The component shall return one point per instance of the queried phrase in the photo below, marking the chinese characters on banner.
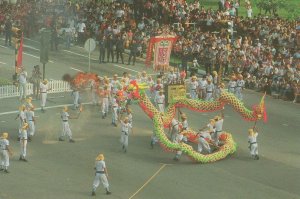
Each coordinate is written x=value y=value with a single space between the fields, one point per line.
x=161 y=47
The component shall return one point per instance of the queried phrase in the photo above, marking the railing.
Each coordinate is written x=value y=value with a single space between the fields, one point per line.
x=57 y=86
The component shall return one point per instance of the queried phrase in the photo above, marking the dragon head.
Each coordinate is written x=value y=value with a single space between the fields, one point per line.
x=259 y=111
x=135 y=90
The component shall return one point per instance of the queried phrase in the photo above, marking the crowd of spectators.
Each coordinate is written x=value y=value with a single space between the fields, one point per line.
x=264 y=49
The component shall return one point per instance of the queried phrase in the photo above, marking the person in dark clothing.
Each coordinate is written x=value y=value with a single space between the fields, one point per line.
x=102 y=46
x=7 y=30
x=110 y=48
x=54 y=38
x=120 y=48
x=133 y=52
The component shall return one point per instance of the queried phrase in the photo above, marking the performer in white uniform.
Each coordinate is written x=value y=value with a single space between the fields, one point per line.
x=203 y=143
x=232 y=85
x=160 y=101
x=253 y=146
x=65 y=125
x=22 y=119
x=31 y=123
x=194 y=87
x=76 y=97
x=178 y=140
x=43 y=90
x=174 y=129
x=23 y=142
x=209 y=90
x=101 y=175
x=240 y=83
x=219 y=126
x=5 y=152
x=105 y=101
x=115 y=112
x=202 y=87
x=125 y=129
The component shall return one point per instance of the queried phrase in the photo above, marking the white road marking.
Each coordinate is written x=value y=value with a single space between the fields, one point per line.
x=79 y=54
x=31 y=40
x=30 y=47
x=49 y=107
x=76 y=69
x=3 y=63
x=285 y=124
x=3 y=46
x=35 y=56
x=127 y=68
x=3 y=121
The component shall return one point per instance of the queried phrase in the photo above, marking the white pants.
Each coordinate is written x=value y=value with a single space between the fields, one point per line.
x=161 y=108
x=238 y=93
x=115 y=115
x=100 y=177
x=174 y=133
x=31 y=129
x=231 y=90
x=23 y=147
x=203 y=144
x=193 y=94
x=124 y=140
x=43 y=99
x=4 y=159
x=20 y=127
x=66 y=130
x=76 y=98
x=105 y=105
x=215 y=137
x=208 y=97
x=254 y=149
x=23 y=91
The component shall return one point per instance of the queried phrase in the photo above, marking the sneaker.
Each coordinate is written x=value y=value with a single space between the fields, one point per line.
x=93 y=193
x=108 y=192
x=25 y=160
x=256 y=157
x=103 y=117
x=71 y=140
x=175 y=159
x=6 y=171
x=60 y=139
x=115 y=125
x=21 y=158
x=1 y=169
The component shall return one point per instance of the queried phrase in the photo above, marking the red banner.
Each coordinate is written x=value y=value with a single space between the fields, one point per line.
x=20 y=55
x=162 y=46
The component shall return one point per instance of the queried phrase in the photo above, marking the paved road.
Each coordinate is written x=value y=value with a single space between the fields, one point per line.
x=64 y=170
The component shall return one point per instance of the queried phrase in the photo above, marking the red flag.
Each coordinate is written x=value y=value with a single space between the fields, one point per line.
x=20 y=54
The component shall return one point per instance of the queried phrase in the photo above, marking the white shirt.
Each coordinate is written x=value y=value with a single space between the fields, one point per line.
x=30 y=115
x=210 y=87
x=100 y=165
x=160 y=99
x=232 y=84
x=240 y=83
x=202 y=84
x=3 y=144
x=43 y=88
x=23 y=77
x=125 y=127
x=252 y=139
x=81 y=27
x=219 y=125
x=65 y=116
x=22 y=116
x=194 y=85
x=203 y=135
